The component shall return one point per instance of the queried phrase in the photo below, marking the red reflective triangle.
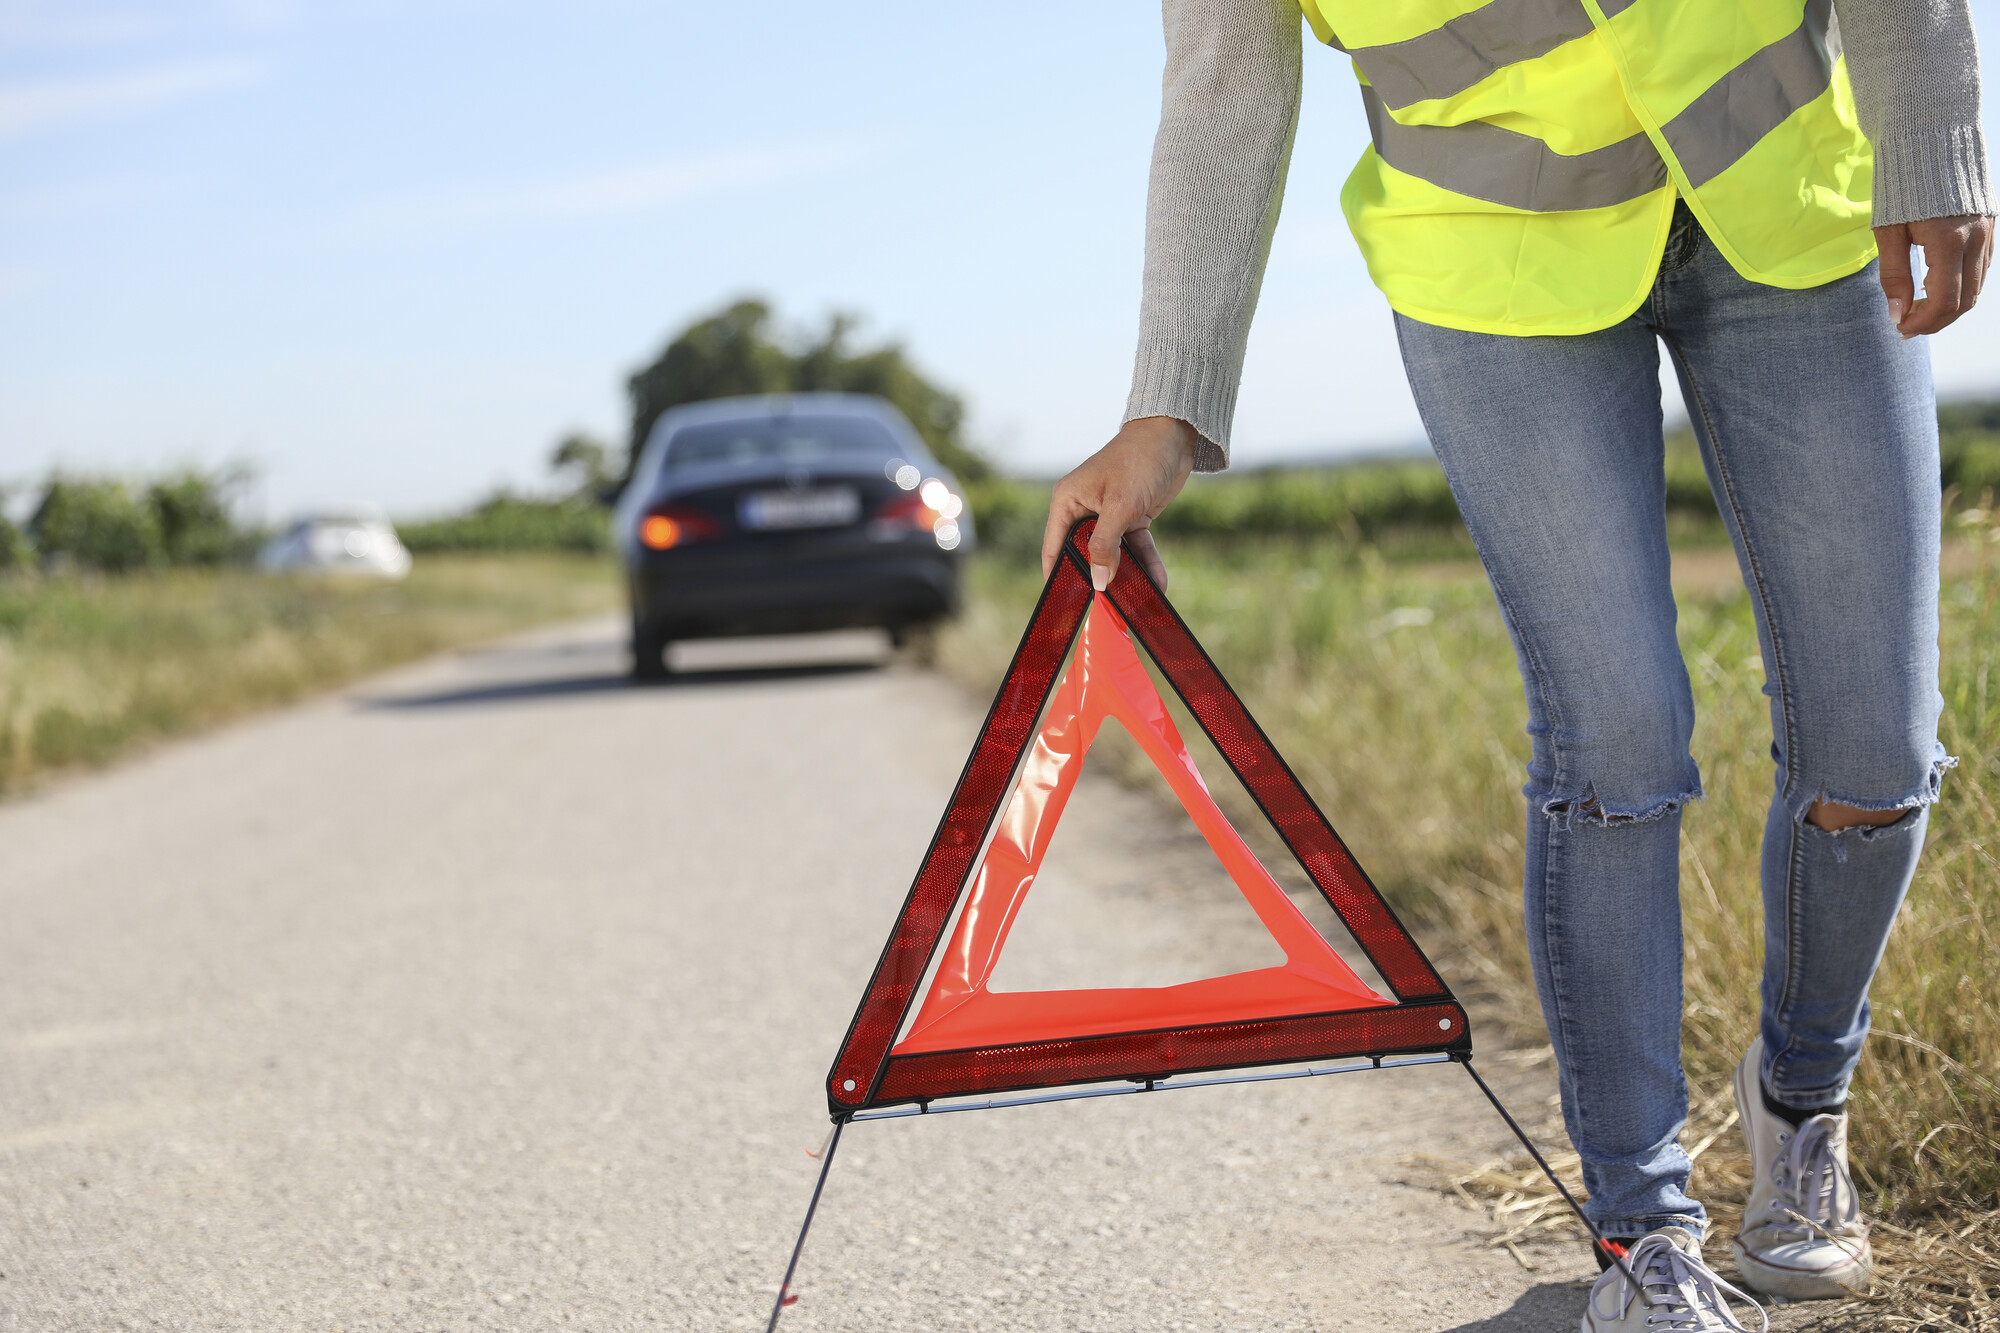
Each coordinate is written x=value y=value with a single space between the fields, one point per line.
x=967 y=1039
x=1105 y=679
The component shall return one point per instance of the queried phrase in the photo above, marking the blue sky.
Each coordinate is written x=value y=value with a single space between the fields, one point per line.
x=391 y=251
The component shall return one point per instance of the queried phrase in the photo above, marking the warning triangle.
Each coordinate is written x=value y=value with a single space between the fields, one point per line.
x=967 y=1039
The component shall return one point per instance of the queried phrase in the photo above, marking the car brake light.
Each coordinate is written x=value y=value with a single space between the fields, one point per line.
x=909 y=508
x=676 y=525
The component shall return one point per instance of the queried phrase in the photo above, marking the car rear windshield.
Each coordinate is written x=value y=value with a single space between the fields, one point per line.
x=781 y=440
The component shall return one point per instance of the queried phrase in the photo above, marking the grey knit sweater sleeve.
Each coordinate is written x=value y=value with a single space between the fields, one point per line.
x=1230 y=106
x=1915 y=70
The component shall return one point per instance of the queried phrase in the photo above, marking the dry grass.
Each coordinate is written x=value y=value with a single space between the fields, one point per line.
x=1939 y=1273
x=91 y=666
x=1392 y=689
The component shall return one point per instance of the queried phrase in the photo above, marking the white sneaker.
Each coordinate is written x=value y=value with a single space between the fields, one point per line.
x=1803 y=1236
x=1677 y=1292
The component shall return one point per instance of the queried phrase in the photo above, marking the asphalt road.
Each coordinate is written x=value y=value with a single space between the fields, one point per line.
x=498 y=994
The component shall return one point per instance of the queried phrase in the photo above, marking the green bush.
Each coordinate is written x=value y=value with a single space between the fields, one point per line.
x=1969 y=444
x=1687 y=479
x=1008 y=515
x=1969 y=417
x=95 y=522
x=1364 y=501
x=1357 y=501
x=15 y=552
x=110 y=524
x=191 y=511
x=515 y=523
x=1360 y=502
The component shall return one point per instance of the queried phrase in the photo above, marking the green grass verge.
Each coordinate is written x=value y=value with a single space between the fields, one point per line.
x=1391 y=688
x=91 y=666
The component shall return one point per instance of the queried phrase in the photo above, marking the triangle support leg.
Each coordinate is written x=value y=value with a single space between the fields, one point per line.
x=825 y=1166
x=1543 y=1162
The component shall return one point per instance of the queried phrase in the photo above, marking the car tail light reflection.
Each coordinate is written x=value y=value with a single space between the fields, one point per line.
x=933 y=509
x=937 y=496
x=676 y=525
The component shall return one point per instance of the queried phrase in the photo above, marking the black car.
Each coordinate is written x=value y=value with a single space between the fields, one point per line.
x=783 y=514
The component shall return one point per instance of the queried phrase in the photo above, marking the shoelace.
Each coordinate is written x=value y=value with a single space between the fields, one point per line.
x=1681 y=1294
x=1816 y=1192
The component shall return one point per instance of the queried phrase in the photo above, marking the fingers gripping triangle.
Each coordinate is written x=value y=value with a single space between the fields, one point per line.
x=966 y=1039
x=1106 y=679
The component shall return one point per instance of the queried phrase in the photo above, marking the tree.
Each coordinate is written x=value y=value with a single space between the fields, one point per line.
x=585 y=464
x=734 y=352
x=938 y=415
x=718 y=357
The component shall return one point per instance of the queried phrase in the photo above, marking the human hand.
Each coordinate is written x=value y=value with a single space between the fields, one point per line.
x=1956 y=253
x=1126 y=484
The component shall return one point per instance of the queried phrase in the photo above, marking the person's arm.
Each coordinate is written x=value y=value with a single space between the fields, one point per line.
x=1915 y=69
x=1229 y=107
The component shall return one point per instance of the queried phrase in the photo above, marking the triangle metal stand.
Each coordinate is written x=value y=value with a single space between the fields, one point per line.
x=840 y=1123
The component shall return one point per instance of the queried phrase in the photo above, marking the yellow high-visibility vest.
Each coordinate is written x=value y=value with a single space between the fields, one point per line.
x=1527 y=154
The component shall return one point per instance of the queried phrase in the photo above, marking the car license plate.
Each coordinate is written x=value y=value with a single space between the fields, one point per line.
x=828 y=507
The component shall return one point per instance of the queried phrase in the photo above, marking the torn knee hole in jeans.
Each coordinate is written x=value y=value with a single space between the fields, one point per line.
x=1586 y=805
x=1841 y=839
x=1908 y=808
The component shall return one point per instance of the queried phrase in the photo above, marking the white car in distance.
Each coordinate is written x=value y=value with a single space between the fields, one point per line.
x=356 y=540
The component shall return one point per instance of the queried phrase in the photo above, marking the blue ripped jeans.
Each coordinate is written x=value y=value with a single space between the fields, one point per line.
x=1818 y=430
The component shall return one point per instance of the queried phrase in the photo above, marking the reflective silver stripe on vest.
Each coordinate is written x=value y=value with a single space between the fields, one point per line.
x=1755 y=98
x=1512 y=169
x=1451 y=58
x=1501 y=166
